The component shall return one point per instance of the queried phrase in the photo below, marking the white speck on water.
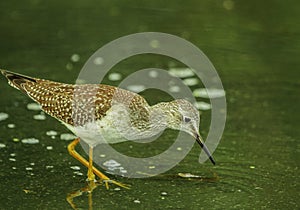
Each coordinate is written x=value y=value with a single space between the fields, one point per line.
x=30 y=141
x=33 y=107
x=191 y=81
x=174 y=89
x=78 y=173
x=137 y=201
x=111 y=163
x=181 y=72
x=12 y=154
x=153 y=74
x=32 y=164
x=77 y=168
x=102 y=155
x=2 y=145
x=252 y=167
x=11 y=125
x=151 y=167
x=117 y=189
x=3 y=116
x=16 y=140
x=114 y=76
x=12 y=159
x=69 y=66
x=136 y=88
x=154 y=43
x=14 y=168
x=29 y=169
x=75 y=58
x=98 y=61
x=209 y=93
x=40 y=116
x=67 y=136
x=49 y=148
x=123 y=171
x=164 y=193
x=202 y=105
x=179 y=148
x=51 y=133
x=49 y=167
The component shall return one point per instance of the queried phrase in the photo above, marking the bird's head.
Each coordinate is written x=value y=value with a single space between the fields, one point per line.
x=181 y=115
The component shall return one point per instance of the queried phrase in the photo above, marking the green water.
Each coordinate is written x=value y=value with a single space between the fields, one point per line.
x=254 y=46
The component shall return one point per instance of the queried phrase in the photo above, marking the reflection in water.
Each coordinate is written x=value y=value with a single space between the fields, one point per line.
x=91 y=185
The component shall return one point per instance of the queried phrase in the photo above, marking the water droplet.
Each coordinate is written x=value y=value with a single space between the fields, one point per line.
x=209 y=93
x=98 y=61
x=136 y=88
x=49 y=148
x=3 y=116
x=153 y=74
x=67 y=136
x=137 y=201
x=11 y=125
x=75 y=58
x=51 y=133
x=77 y=168
x=39 y=117
x=202 y=105
x=30 y=141
x=181 y=72
x=114 y=76
x=2 y=145
x=111 y=163
x=191 y=81
x=33 y=106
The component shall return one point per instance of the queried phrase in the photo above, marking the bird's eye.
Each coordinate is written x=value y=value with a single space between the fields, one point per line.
x=186 y=119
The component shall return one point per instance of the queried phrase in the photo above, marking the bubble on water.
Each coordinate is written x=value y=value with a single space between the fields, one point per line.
x=114 y=76
x=154 y=43
x=12 y=159
x=191 y=81
x=11 y=125
x=67 y=136
x=75 y=58
x=3 y=116
x=98 y=61
x=174 y=89
x=153 y=74
x=51 y=133
x=202 y=105
x=209 y=93
x=49 y=167
x=49 y=148
x=30 y=141
x=111 y=163
x=34 y=107
x=39 y=116
x=28 y=169
x=78 y=173
x=2 y=145
x=76 y=168
x=136 y=88
x=137 y=201
x=12 y=154
x=69 y=66
x=181 y=72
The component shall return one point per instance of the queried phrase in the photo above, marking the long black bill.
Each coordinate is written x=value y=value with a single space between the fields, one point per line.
x=202 y=145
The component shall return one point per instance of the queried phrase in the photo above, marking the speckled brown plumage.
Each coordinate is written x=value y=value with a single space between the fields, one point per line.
x=78 y=104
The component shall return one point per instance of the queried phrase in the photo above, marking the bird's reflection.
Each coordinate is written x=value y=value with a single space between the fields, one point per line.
x=89 y=188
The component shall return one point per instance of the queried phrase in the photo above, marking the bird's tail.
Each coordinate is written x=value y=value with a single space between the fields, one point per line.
x=17 y=80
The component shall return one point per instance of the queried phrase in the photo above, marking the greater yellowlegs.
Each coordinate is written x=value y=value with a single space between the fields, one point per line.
x=98 y=113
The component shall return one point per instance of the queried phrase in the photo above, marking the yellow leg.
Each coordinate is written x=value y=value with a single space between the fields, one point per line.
x=89 y=164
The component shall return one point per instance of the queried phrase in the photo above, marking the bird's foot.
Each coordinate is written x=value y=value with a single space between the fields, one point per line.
x=109 y=181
